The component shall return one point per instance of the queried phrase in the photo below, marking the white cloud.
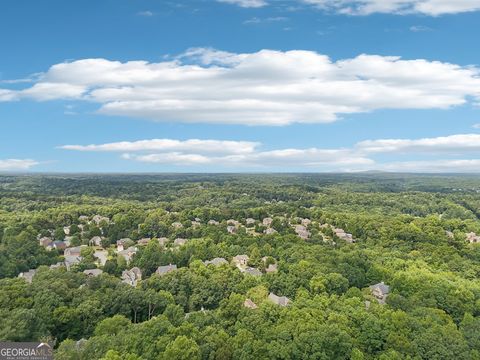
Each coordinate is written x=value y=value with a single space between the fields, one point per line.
x=146 y=13
x=419 y=28
x=17 y=164
x=434 y=166
x=257 y=20
x=263 y=88
x=169 y=145
x=7 y=95
x=452 y=144
x=246 y=3
x=245 y=155
x=43 y=91
x=476 y=126
x=312 y=158
x=401 y=7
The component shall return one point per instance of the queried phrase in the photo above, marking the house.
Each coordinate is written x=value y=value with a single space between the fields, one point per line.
x=302 y=231
x=162 y=270
x=162 y=241
x=231 y=229
x=252 y=271
x=68 y=240
x=102 y=256
x=74 y=251
x=278 y=300
x=143 y=242
x=340 y=233
x=196 y=223
x=132 y=276
x=83 y=218
x=122 y=243
x=380 y=291
x=28 y=275
x=213 y=222
x=59 y=245
x=473 y=238
x=177 y=225
x=66 y=230
x=95 y=241
x=93 y=272
x=249 y=304
x=79 y=344
x=250 y=221
x=267 y=221
x=97 y=219
x=128 y=253
x=45 y=241
x=305 y=222
x=71 y=260
x=270 y=231
x=56 y=266
x=240 y=261
x=233 y=222
x=217 y=262
x=179 y=242
x=272 y=266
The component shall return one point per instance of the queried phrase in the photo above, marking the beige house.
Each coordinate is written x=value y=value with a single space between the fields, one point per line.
x=132 y=276
x=279 y=300
x=249 y=304
x=240 y=261
x=380 y=291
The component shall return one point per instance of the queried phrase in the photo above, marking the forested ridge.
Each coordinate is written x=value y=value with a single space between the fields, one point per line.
x=307 y=266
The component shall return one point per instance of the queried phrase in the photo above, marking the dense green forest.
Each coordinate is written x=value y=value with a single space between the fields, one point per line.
x=308 y=266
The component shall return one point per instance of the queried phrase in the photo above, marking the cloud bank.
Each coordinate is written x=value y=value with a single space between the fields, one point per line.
x=245 y=155
x=453 y=144
x=263 y=88
x=17 y=164
x=368 y=7
x=400 y=7
x=191 y=145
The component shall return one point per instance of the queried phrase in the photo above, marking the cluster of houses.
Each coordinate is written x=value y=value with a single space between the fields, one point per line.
x=241 y=262
x=234 y=225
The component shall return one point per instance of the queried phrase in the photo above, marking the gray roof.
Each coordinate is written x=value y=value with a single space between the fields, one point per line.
x=162 y=270
x=384 y=289
x=217 y=261
x=58 y=243
x=28 y=275
x=132 y=276
x=92 y=272
x=123 y=241
x=75 y=250
x=180 y=241
x=279 y=300
x=71 y=260
x=253 y=271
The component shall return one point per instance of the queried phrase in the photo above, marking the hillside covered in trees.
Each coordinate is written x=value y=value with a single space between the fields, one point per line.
x=364 y=266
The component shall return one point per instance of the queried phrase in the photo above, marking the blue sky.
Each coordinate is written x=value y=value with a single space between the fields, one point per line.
x=252 y=85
